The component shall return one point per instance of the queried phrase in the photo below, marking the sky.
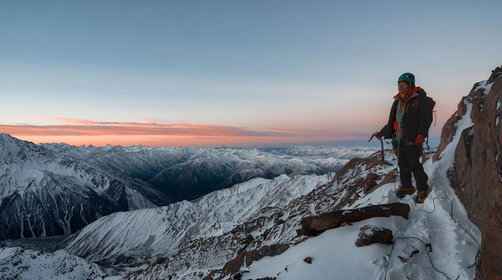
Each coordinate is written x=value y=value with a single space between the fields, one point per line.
x=182 y=73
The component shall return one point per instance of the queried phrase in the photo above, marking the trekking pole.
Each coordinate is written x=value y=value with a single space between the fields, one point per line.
x=382 y=151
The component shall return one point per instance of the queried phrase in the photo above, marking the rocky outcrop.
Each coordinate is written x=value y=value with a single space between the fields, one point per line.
x=477 y=173
x=315 y=225
x=248 y=257
x=370 y=234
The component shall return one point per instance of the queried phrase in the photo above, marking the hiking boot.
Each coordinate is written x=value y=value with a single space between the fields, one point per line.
x=421 y=196
x=404 y=191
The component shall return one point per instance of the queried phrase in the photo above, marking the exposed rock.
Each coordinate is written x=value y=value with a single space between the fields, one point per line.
x=477 y=169
x=370 y=182
x=405 y=259
x=389 y=177
x=369 y=234
x=308 y=260
x=315 y=225
x=248 y=257
x=370 y=162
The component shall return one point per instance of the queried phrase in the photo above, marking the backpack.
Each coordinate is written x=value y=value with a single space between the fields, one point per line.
x=428 y=106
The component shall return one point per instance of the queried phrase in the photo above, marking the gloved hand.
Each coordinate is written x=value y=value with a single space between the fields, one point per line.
x=377 y=134
x=419 y=141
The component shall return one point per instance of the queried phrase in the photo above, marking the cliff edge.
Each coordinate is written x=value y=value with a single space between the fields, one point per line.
x=476 y=175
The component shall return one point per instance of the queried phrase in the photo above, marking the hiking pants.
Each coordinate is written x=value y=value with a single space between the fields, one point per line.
x=409 y=163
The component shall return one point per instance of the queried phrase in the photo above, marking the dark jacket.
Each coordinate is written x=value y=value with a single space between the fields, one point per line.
x=414 y=119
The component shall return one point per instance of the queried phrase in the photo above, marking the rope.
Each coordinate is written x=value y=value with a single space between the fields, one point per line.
x=428 y=245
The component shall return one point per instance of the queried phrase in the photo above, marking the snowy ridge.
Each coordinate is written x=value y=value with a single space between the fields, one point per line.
x=56 y=189
x=162 y=230
x=17 y=263
x=188 y=173
x=43 y=193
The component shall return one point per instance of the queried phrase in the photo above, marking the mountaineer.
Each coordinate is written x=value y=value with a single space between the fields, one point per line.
x=408 y=125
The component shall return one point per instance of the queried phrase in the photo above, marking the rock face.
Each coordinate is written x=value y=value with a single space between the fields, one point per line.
x=476 y=176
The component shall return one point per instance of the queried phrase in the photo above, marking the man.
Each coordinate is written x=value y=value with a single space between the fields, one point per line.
x=408 y=127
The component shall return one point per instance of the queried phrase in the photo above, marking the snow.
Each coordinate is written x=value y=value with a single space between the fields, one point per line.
x=333 y=253
x=17 y=263
x=162 y=230
x=485 y=86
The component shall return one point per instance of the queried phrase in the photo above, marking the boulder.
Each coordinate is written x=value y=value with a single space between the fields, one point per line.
x=315 y=225
x=370 y=234
x=248 y=257
x=370 y=182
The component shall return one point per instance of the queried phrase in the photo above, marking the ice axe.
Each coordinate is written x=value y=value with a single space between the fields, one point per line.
x=382 y=151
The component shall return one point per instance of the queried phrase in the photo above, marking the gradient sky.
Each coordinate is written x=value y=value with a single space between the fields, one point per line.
x=232 y=72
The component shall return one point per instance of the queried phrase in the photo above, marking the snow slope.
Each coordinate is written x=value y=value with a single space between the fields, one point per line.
x=43 y=193
x=333 y=253
x=163 y=230
x=17 y=263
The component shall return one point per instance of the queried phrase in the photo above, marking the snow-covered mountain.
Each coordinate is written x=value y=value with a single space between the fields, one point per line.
x=18 y=263
x=188 y=173
x=43 y=193
x=163 y=230
x=56 y=189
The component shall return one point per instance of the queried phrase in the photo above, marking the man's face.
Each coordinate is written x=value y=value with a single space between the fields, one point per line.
x=403 y=87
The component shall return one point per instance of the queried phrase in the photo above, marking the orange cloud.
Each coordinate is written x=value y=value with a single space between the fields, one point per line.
x=85 y=132
x=99 y=133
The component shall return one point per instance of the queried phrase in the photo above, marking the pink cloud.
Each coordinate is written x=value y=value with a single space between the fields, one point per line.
x=91 y=132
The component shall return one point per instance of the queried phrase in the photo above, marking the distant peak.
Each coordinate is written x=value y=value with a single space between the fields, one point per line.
x=7 y=137
x=13 y=148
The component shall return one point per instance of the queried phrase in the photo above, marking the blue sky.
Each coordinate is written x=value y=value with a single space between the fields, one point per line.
x=317 y=69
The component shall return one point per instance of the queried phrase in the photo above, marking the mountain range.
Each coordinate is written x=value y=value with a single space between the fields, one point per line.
x=56 y=189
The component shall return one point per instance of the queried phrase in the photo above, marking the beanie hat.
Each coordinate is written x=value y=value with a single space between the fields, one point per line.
x=408 y=78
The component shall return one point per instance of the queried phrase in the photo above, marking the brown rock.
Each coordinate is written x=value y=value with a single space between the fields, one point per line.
x=371 y=234
x=389 y=177
x=308 y=260
x=248 y=257
x=370 y=182
x=449 y=129
x=477 y=172
x=369 y=162
x=315 y=225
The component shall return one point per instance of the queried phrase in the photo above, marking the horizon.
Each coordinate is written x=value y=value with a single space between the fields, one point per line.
x=232 y=74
